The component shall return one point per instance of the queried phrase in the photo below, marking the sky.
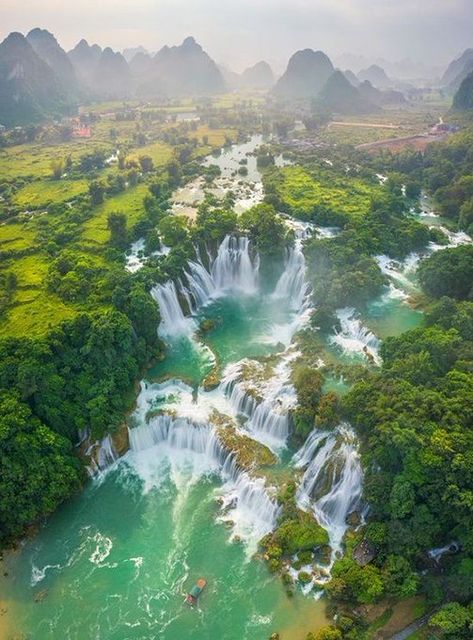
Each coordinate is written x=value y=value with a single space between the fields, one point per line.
x=241 y=32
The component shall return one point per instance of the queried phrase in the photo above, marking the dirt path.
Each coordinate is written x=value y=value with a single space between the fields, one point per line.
x=411 y=628
x=369 y=125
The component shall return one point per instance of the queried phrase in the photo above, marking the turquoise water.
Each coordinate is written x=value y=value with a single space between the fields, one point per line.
x=116 y=562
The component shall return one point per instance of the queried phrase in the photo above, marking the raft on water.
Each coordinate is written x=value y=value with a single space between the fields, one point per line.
x=195 y=592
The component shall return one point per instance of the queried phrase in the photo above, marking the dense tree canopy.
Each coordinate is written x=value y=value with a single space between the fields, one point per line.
x=38 y=467
x=449 y=273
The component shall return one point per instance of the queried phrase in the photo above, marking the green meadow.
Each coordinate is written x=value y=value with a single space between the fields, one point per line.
x=302 y=192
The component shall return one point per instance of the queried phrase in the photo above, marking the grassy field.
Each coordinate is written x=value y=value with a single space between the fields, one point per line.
x=158 y=151
x=33 y=309
x=16 y=237
x=40 y=193
x=302 y=192
x=403 y=122
x=34 y=160
x=35 y=314
x=29 y=270
x=95 y=231
x=216 y=137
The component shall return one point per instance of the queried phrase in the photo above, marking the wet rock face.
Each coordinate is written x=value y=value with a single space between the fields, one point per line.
x=364 y=552
x=353 y=519
x=120 y=440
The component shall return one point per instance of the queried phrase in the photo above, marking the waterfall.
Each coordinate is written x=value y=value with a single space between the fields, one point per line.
x=173 y=321
x=266 y=404
x=102 y=455
x=332 y=483
x=292 y=286
x=172 y=425
x=438 y=552
x=354 y=337
x=399 y=272
x=455 y=238
x=231 y=271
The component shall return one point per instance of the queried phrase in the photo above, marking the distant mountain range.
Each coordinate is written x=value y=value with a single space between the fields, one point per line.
x=376 y=75
x=182 y=70
x=260 y=76
x=311 y=75
x=38 y=79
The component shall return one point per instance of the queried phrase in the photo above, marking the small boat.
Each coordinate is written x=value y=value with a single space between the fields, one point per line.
x=195 y=592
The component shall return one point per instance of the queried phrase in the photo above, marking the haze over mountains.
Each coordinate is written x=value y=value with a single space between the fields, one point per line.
x=39 y=79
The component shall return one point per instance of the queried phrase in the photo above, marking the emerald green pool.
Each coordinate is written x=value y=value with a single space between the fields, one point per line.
x=116 y=562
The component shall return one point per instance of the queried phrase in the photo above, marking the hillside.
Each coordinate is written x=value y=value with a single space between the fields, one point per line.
x=376 y=75
x=259 y=76
x=463 y=99
x=48 y=49
x=29 y=88
x=339 y=96
x=181 y=70
x=307 y=72
x=458 y=69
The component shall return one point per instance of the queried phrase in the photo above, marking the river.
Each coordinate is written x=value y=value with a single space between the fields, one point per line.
x=116 y=562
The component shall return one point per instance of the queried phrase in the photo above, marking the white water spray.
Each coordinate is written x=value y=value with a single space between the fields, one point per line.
x=332 y=483
x=354 y=338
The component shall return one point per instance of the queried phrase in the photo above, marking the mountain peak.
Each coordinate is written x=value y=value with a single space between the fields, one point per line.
x=340 y=96
x=185 y=69
x=259 y=76
x=306 y=73
x=37 y=32
x=190 y=44
x=15 y=38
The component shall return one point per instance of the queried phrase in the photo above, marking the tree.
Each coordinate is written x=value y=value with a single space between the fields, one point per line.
x=352 y=582
x=173 y=168
x=466 y=216
x=266 y=229
x=448 y=273
x=96 y=192
x=453 y=620
x=39 y=469
x=57 y=168
x=308 y=383
x=174 y=230
x=215 y=224
x=116 y=223
x=146 y=163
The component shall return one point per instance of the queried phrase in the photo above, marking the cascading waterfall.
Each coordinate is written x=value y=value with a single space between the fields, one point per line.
x=292 y=286
x=102 y=456
x=232 y=271
x=354 y=337
x=266 y=406
x=173 y=321
x=332 y=483
x=400 y=272
x=186 y=438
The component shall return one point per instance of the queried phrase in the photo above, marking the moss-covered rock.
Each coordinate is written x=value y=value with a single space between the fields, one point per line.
x=249 y=453
x=212 y=379
x=300 y=535
x=121 y=440
x=303 y=577
x=207 y=325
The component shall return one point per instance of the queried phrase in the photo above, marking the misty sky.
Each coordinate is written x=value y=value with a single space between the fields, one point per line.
x=241 y=32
